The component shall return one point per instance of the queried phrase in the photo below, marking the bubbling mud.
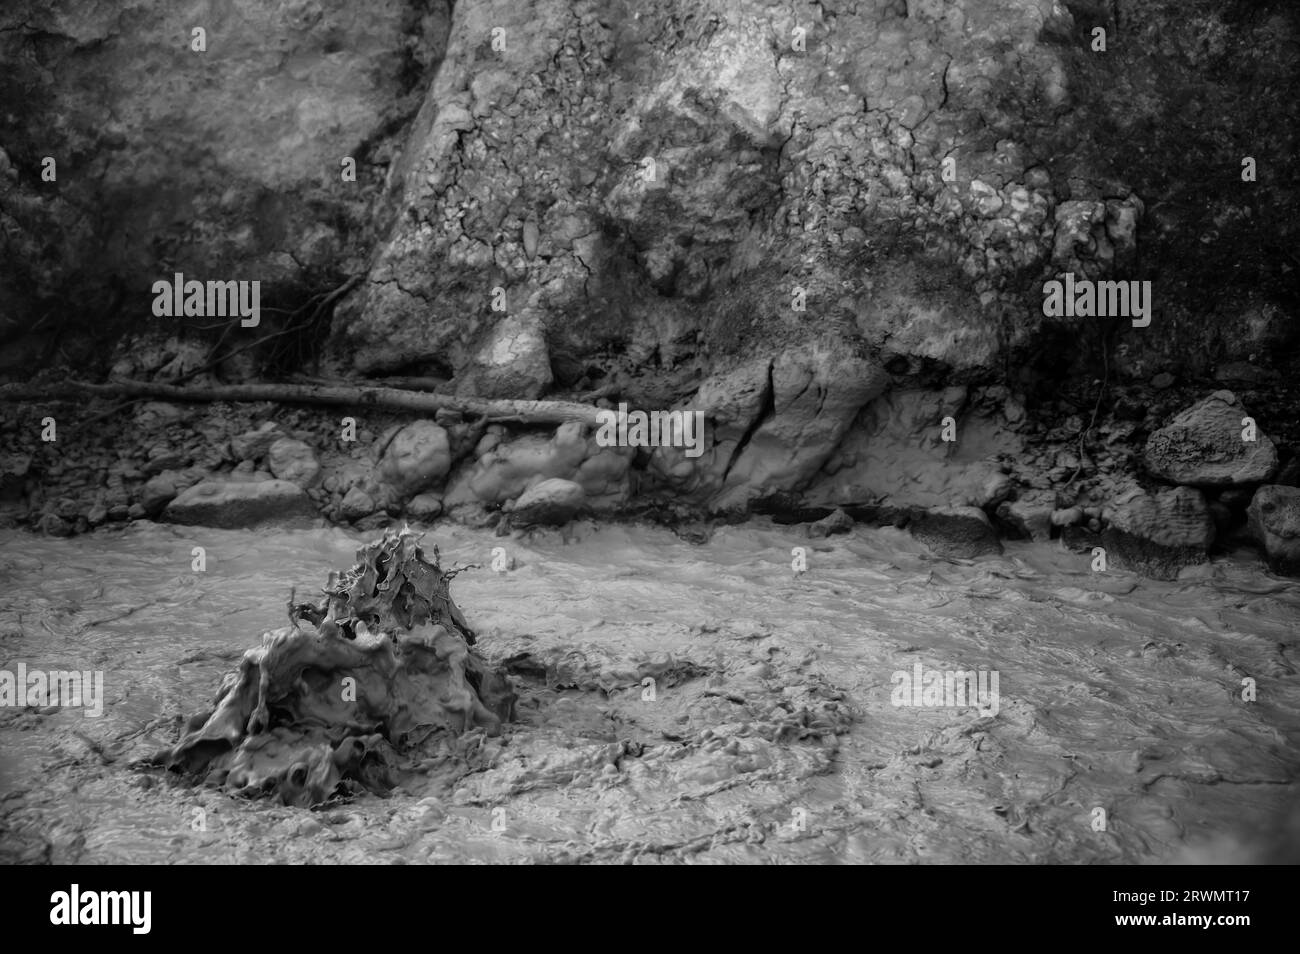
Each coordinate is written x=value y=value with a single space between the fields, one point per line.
x=356 y=693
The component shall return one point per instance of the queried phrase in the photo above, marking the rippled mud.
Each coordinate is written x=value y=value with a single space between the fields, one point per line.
x=686 y=703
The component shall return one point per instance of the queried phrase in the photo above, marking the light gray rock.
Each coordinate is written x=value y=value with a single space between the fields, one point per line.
x=424 y=506
x=157 y=493
x=512 y=466
x=513 y=363
x=1274 y=521
x=416 y=459
x=1203 y=446
x=816 y=392
x=294 y=461
x=836 y=522
x=549 y=503
x=241 y=504
x=357 y=504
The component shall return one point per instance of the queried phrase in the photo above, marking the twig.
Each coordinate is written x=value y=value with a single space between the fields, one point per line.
x=1105 y=381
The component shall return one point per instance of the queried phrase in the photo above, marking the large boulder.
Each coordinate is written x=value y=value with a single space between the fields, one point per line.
x=238 y=504
x=817 y=391
x=1274 y=520
x=963 y=533
x=1203 y=446
x=1159 y=534
x=416 y=459
x=895 y=453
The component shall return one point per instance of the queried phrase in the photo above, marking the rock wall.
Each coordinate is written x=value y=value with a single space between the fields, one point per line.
x=224 y=163
x=689 y=180
x=825 y=227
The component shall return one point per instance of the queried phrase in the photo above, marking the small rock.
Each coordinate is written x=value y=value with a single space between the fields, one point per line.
x=416 y=459
x=119 y=513
x=962 y=533
x=1274 y=521
x=836 y=522
x=356 y=504
x=55 y=526
x=1067 y=517
x=157 y=493
x=1162 y=381
x=547 y=503
x=294 y=461
x=136 y=512
x=424 y=506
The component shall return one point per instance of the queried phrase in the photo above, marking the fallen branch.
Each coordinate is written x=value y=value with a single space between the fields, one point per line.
x=527 y=412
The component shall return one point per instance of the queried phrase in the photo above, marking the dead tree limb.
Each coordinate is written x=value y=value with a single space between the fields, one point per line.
x=527 y=412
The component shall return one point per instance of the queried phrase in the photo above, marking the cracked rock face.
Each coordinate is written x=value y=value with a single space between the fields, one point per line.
x=618 y=169
x=663 y=181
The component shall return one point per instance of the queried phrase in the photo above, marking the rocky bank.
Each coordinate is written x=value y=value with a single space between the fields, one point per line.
x=825 y=227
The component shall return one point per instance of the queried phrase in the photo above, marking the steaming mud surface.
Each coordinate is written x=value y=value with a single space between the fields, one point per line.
x=772 y=702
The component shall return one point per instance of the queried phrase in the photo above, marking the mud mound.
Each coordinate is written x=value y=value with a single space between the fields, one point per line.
x=376 y=682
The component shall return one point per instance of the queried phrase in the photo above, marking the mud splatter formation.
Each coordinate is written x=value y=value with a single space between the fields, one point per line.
x=375 y=683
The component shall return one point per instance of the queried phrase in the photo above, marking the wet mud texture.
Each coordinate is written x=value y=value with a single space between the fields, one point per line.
x=767 y=731
x=375 y=682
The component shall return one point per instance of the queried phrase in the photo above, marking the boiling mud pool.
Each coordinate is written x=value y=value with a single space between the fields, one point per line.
x=683 y=703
